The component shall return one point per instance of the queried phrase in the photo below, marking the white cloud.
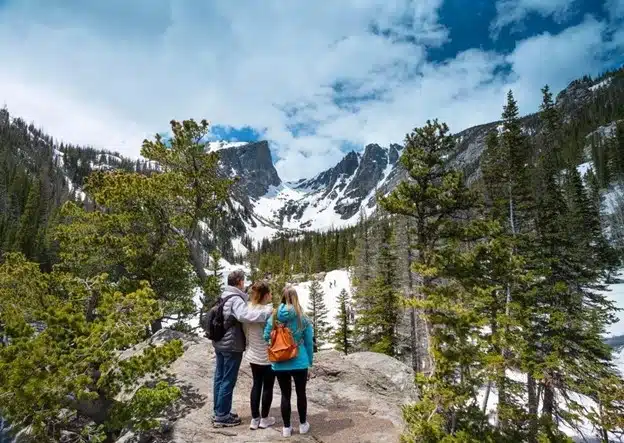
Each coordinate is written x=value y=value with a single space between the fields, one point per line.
x=576 y=50
x=510 y=12
x=113 y=74
x=615 y=9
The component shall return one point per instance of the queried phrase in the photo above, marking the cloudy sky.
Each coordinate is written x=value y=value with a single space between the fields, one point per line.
x=316 y=78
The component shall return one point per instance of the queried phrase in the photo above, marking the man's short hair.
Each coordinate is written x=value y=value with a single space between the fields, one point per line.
x=235 y=277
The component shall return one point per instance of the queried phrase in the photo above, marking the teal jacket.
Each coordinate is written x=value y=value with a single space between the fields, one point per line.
x=288 y=316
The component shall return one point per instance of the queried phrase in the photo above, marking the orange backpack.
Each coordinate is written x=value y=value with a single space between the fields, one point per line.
x=283 y=346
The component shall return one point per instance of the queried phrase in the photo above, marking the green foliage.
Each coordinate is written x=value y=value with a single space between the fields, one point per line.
x=342 y=336
x=213 y=286
x=378 y=300
x=317 y=312
x=147 y=227
x=306 y=253
x=64 y=336
x=130 y=238
x=128 y=259
x=435 y=198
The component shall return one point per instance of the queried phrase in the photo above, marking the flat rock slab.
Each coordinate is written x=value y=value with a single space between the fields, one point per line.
x=355 y=398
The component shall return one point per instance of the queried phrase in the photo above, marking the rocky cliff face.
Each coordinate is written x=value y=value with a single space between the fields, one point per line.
x=253 y=165
x=355 y=398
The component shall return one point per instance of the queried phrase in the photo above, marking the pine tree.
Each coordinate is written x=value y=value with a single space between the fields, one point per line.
x=342 y=336
x=431 y=198
x=317 y=313
x=213 y=287
x=437 y=201
x=27 y=233
x=416 y=346
x=378 y=304
x=362 y=277
x=507 y=174
x=79 y=382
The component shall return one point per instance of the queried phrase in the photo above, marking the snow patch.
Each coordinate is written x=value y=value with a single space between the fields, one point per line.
x=583 y=168
x=603 y=84
x=239 y=247
x=615 y=292
x=219 y=145
x=332 y=284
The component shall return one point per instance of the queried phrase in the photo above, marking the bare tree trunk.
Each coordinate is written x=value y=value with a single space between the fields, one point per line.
x=502 y=382
x=486 y=397
x=414 y=342
x=549 y=401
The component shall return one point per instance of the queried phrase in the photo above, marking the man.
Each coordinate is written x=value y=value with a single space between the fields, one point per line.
x=229 y=350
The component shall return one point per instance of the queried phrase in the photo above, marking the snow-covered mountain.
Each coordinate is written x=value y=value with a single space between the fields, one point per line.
x=334 y=197
x=262 y=204
x=337 y=196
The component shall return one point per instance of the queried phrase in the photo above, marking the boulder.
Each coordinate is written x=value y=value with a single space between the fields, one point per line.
x=354 y=398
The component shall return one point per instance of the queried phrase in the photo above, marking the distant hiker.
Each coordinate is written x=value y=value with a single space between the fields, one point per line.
x=228 y=340
x=257 y=356
x=291 y=352
x=330 y=285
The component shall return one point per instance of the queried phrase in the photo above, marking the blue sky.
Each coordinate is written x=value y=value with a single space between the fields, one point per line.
x=314 y=78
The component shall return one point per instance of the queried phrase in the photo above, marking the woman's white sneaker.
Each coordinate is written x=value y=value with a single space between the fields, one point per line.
x=287 y=432
x=304 y=428
x=255 y=422
x=267 y=422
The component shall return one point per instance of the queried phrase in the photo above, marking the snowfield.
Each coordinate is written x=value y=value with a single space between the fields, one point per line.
x=330 y=290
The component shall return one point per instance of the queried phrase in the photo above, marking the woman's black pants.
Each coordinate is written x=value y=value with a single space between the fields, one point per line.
x=285 y=378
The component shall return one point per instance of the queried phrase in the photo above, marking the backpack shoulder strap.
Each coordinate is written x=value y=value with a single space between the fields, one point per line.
x=225 y=299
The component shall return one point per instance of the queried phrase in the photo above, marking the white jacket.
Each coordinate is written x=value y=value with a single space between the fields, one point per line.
x=256 y=352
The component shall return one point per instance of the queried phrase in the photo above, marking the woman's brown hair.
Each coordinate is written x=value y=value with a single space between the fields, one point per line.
x=258 y=291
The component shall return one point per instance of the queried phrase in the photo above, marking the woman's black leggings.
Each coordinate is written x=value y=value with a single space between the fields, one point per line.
x=263 y=381
x=284 y=379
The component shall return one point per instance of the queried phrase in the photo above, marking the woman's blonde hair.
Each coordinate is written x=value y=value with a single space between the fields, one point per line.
x=290 y=298
x=258 y=291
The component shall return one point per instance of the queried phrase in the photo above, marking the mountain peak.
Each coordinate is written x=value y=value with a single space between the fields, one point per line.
x=252 y=163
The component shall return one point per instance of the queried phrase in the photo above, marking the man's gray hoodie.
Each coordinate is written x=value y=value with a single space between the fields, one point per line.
x=234 y=338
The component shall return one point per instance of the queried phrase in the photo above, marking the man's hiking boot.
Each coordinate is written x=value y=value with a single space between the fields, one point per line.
x=227 y=422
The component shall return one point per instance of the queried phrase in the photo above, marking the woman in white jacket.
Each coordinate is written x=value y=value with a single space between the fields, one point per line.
x=257 y=356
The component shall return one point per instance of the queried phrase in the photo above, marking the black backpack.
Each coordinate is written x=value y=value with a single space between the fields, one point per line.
x=213 y=322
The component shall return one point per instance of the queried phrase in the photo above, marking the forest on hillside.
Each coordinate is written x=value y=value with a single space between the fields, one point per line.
x=472 y=286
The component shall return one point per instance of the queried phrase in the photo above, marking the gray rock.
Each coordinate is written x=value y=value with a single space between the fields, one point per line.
x=253 y=165
x=355 y=398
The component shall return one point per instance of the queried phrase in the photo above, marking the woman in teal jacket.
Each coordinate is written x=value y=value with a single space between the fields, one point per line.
x=290 y=314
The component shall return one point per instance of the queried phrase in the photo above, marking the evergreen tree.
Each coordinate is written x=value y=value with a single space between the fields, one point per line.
x=342 y=335
x=146 y=228
x=27 y=233
x=507 y=173
x=438 y=203
x=213 y=287
x=317 y=313
x=60 y=362
x=362 y=277
x=415 y=347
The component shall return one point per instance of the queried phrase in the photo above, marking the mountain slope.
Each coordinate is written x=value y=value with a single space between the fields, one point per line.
x=262 y=205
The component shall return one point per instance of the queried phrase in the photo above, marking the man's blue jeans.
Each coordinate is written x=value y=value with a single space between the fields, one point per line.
x=225 y=376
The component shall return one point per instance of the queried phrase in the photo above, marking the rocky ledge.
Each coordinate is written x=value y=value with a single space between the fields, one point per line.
x=354 y=398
